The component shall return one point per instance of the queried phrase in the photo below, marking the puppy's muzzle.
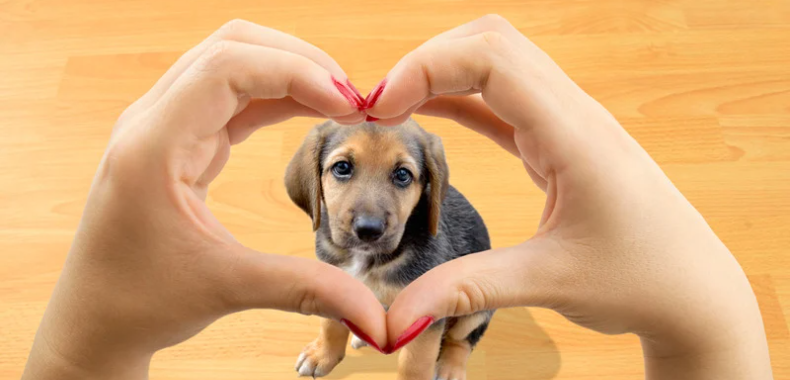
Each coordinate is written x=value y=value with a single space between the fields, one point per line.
x=369 y=228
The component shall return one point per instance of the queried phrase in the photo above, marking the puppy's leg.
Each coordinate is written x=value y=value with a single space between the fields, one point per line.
x=458 y=342
x=418 y=358
x=323 y=354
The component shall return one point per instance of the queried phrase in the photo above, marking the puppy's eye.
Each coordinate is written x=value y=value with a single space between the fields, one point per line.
x=342 y=169
x=402 y=177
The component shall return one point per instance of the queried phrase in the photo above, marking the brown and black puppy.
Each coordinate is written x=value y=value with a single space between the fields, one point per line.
x=384 y=212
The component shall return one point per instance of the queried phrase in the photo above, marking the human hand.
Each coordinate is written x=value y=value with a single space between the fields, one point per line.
x=618 y=250
x=150 y=265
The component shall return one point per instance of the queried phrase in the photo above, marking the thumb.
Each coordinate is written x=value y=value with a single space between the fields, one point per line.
x=525 y=275
x=310 y=287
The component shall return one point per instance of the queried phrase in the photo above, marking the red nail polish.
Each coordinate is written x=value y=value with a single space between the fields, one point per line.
x=371 y=118
x=412 y=332
x=374 y=95
x=357 y=94
x=361 y=335
x=348 y=94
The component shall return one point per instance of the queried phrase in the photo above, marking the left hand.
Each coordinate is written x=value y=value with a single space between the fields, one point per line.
x=150 y=265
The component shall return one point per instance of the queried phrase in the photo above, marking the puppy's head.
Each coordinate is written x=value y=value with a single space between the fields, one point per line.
x=369 y=178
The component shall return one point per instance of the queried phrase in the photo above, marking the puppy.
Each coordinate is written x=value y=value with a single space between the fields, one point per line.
x=384 y=212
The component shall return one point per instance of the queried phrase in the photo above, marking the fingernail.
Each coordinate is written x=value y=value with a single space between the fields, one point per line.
x=355 y=101
x=371 y=118
x=361 y=334
x=374 y=95
x=412 y=332
x=357 y=94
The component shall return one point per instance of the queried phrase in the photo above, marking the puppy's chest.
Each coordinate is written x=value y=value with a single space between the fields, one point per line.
x=374 y=277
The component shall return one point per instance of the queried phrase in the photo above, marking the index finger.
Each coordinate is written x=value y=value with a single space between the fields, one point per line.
x=439 y=69
x=472 y=112
x=231 y=71
x=244 y=32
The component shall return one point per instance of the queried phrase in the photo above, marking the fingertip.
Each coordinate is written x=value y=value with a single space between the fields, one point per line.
x=374 y=95
x=382 y=347
x=359 y=99
x=353 y=304
x=420 y=300
x=412 y=332
x=349 y=92
x=354 y=118
x=329 y=95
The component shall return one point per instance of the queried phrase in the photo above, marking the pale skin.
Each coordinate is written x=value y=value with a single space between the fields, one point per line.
x=618 y=250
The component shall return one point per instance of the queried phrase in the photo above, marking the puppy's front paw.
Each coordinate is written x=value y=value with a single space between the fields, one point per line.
x=451 y=371
x=452 y=363
x=357 y=343
x=318 y=359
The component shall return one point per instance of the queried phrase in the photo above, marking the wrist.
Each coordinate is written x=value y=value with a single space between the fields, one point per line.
x=46 y=363
x=730 y=363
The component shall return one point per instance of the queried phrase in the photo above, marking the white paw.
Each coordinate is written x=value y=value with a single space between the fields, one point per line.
x=317 y=361
x=357 y=343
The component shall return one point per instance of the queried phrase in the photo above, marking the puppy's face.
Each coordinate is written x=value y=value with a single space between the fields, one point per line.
x=369 y=178
x=372 y=179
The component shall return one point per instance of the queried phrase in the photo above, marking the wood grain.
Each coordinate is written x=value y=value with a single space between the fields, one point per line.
x=703 y=85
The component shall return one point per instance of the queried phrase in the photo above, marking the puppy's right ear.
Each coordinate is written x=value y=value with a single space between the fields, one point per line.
x=303 y=175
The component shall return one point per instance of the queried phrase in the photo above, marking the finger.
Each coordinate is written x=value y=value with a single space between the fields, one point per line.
x=231 y=71
x=304 y=286
x=472 y=112
x=537 y=179
x=480 y=30
x=262 y=112
x=520 y=83
x=400 y=119
x=443 y=69
x=525 y=275
x=487 y=23
x=245 y=32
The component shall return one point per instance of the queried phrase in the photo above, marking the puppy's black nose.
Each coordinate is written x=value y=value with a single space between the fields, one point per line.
x=368 y=228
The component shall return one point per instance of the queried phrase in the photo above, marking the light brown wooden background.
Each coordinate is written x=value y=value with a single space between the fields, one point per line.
x=704 y=85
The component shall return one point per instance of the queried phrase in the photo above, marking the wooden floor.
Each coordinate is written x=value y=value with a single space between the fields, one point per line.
x=704 y=85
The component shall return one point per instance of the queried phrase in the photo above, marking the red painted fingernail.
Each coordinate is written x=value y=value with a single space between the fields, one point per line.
x=371 y=118
x=412 y=332
x=357 y=94
x=361 y=335
x=348 y=94
x=374 y=95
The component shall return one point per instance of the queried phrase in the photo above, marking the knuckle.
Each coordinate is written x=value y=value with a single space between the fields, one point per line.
x=232 y=27
x=470 y=298
x=121 y=163
x=307 y=303
x=495 y=22
x=215 y=55
x=493 y=40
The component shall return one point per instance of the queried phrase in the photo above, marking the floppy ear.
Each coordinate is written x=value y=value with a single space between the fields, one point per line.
x=303 y=175
x=438 y=178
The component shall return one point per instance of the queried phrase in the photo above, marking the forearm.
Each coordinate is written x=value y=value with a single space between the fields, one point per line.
x=744 y=358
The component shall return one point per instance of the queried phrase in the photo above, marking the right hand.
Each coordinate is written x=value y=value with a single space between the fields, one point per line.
x=619 y=249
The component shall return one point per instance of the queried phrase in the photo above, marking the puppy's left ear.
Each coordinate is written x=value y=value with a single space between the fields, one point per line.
x=438 y=178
